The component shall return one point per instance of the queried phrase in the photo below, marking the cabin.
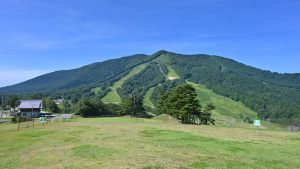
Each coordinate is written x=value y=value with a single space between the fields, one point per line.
x=30 y=108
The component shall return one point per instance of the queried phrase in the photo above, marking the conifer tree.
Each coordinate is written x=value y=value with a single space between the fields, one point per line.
x=182 y=103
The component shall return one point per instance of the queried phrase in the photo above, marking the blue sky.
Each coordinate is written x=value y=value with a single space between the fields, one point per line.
x=40 y=36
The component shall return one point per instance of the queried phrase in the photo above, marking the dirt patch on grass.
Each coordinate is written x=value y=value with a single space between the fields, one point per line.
x=172 y=78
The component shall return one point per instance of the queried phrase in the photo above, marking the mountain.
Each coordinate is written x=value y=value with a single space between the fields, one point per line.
x=272 y=95
x=70 y=79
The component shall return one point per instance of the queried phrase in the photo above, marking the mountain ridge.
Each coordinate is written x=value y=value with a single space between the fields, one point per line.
x=273 y=95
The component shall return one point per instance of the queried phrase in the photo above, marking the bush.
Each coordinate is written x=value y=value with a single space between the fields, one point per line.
x=246 y=118
x=17 y=119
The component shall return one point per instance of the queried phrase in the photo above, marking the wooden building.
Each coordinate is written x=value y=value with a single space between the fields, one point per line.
x=30 y=108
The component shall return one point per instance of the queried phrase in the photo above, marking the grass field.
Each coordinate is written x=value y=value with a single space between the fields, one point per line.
x=112 y=96
x=145 y=144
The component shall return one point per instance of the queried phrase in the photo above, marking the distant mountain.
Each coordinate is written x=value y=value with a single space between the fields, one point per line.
x=85 y=76
x=272 y=95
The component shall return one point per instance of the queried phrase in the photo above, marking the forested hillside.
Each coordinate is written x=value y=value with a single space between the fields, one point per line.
x=274 y=96
x=86 y=76
x=142 y=82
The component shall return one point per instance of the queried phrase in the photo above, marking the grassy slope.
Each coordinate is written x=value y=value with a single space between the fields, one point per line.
x=96 y=90
x=112 y=96
x=165 y=60
x=115 y=143
x=227 y=111
x=171 y=73
x=147 y=100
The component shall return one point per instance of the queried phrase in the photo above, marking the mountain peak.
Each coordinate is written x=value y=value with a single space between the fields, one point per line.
x=160 y=52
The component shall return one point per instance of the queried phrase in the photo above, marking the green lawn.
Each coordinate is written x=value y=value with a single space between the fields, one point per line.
x=135 y=143
x=112 y=96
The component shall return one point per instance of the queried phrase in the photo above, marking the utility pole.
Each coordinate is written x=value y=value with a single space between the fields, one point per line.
x=31 y=109
x=2 y=107
x=2 y=101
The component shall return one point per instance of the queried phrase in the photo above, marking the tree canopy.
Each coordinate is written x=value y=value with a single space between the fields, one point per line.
x=181 y=102
x=133 y=106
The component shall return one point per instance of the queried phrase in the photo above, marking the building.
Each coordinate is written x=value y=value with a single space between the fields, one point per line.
x=30 y=108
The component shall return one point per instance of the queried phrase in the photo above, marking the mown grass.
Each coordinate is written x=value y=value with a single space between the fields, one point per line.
x=112 y=96
x=125 y=142
x=147 y=98
x=172 y=75
x=96 y=90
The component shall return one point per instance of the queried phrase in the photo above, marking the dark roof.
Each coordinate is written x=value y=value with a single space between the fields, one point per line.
x=26 y=104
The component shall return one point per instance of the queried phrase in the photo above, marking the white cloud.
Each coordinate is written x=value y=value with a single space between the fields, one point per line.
x=10 y=77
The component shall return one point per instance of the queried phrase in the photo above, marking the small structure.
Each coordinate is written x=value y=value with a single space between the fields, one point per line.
x=30 y=108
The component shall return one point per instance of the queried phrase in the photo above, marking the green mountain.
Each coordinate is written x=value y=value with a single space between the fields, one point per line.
x=84 y=77
x=272 y=95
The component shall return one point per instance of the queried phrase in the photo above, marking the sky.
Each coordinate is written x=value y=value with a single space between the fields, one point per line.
x=41 y=36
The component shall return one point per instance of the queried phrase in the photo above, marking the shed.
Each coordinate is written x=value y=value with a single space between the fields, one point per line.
x=30 y=108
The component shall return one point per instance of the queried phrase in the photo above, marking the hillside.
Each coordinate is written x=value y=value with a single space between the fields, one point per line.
x=272 y=95
x=87 y=76
x=113 y=96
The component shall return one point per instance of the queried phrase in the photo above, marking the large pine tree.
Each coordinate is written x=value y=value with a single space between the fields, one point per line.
x=182 y=103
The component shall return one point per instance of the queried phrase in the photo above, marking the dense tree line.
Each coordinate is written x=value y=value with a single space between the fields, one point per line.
x=50 y=106
x=87 y=108
x=133 y=106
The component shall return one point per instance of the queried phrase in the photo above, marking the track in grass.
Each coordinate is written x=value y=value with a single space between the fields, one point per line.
x=112 y=96
x=147 y=98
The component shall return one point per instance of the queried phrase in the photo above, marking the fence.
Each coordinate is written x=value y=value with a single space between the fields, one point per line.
x=34 y=123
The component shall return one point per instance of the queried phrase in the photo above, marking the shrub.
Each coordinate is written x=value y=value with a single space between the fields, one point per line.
x=17 y=119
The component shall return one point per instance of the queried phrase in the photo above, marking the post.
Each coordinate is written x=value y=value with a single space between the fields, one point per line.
x=27 y=124
x=18 y=125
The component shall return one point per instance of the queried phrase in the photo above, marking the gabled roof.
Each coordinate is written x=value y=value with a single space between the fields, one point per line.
x=28 y=104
